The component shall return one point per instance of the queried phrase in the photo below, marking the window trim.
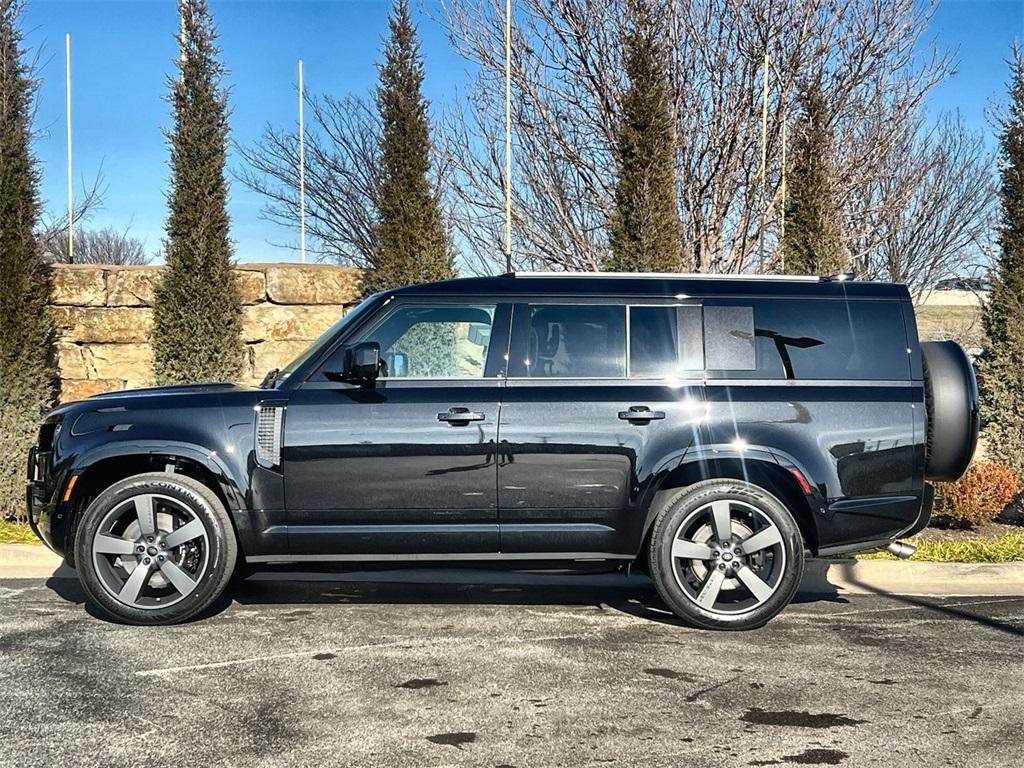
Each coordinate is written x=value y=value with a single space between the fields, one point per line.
x=500 y=339
x=520 y=330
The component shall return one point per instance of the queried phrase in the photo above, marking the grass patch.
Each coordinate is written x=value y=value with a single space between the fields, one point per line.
x=17 y=533
x=1001 y=549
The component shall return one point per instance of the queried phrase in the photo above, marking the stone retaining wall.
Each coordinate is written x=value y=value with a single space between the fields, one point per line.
x=103 y=317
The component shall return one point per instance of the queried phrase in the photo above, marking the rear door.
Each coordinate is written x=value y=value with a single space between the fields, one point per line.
x=600 y=394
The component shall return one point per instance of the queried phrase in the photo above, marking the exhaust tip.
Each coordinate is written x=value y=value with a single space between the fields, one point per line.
x=901 y=549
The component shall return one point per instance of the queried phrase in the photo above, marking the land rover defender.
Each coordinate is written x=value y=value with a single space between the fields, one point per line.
x=712 y=432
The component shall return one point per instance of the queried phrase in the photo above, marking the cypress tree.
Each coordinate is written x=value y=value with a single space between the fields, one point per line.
x=27 y=368
x=1002 y=362
x=813 y=242
x=644 y=226
x=412 y=243
x=197 y=333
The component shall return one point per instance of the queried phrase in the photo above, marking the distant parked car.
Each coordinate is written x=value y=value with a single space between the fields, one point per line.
x=963 y=284
x=709 y=431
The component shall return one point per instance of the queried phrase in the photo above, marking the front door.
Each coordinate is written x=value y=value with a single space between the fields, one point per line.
x=599 y=397
x=407 y=466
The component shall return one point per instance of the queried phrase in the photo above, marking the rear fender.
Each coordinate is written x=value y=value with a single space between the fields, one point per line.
x=775 y=471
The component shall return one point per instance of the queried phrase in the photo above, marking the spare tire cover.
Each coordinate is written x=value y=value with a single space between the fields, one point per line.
x=951 y=402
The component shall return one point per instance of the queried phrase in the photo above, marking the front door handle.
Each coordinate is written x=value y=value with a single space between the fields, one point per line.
x=460 y=416
x=641 y=413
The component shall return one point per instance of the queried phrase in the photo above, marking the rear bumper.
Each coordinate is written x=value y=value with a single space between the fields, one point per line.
x=924 y=517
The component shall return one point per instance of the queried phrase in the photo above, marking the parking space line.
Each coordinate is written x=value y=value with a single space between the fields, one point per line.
x=256 y=659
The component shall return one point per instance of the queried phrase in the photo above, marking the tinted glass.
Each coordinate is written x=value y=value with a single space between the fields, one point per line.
x=434 y=341
x=808 y=339
x=729 y=338
x=581 y=340
x=664 y=341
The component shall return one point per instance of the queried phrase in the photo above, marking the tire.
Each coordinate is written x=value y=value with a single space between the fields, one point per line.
x=951 y=405
x=703 y=582
x=187 y=556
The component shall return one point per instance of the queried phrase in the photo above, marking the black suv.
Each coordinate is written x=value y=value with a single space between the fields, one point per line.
x=709 y=431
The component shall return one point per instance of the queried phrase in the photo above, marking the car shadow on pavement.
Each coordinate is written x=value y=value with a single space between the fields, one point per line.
x=294 y=585
x=957 y=610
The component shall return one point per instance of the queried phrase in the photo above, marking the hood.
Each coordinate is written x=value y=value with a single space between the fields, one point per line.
x=131 y=398
x=176 y=389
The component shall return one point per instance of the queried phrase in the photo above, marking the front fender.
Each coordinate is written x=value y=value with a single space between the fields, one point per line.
x=232 y=485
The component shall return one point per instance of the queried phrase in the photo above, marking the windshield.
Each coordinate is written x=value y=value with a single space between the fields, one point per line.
x=325 y=339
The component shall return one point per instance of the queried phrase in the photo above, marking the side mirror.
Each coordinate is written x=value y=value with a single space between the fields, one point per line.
x=362 y=362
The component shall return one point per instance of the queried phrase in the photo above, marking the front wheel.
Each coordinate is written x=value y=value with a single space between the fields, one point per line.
x=156 y=548
x=726 y=554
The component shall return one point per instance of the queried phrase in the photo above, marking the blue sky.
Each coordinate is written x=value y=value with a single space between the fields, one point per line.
x=123 y=52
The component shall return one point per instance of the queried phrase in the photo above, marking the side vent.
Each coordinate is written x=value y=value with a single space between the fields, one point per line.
x=268 y=434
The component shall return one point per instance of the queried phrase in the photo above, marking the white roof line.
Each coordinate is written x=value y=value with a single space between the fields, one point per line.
x=674 y=276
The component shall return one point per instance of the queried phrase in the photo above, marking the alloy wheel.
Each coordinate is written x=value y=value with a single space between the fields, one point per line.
x=728 y=557
x=151 y=551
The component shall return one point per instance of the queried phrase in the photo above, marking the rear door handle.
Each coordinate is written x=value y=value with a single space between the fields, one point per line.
x=641 y=413
x=457 y=416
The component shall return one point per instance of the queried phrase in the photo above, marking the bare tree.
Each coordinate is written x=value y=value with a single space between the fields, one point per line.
x=342 y=178
x=567 y=76
x=99 y=246
x=933 y=215
x=52 y=232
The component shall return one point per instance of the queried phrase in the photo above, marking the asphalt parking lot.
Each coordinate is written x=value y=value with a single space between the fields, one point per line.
x=424 y=668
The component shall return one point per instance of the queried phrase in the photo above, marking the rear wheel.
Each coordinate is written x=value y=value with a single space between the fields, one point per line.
x=726 y=554
x=156 y=548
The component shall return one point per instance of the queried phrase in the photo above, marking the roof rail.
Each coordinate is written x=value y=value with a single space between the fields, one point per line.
x=673 y=275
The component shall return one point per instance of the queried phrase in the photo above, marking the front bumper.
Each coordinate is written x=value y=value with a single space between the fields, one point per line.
x=40 y=514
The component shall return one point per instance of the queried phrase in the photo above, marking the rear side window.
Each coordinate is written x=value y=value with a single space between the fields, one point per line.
x=806 y=339
x=576 y=340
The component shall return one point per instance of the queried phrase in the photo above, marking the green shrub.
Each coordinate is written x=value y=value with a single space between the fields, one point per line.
x=27 y=368
x=197 y=312
x=977 y=497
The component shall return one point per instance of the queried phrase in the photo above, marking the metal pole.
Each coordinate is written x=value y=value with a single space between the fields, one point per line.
x=71 y=201
x=302 y=171
x=764 y=156
x=508 y=135
x=782 y=213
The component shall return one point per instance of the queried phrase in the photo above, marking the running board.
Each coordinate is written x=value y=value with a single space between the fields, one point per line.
x=439 y=557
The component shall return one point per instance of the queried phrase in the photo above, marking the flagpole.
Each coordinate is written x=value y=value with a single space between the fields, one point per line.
x=764 y=156
x=782 y=210
x=71 y=201
x=508 y=135
x=302 y=171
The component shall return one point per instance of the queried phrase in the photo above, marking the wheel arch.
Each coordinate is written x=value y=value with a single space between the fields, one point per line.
x=100 y=469
x=780 y=478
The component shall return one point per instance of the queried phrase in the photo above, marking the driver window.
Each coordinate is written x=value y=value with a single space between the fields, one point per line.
x=434 y=341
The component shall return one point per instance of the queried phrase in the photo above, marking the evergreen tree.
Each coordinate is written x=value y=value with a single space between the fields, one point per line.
x=813 y=242
x=644 y=227
x=412 y=243
x=1003 y=360
x=197 y=333
x=27 y=368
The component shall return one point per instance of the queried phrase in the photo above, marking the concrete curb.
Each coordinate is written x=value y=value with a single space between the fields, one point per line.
x=32 y=561
x=911 y=577
x=821 y=577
